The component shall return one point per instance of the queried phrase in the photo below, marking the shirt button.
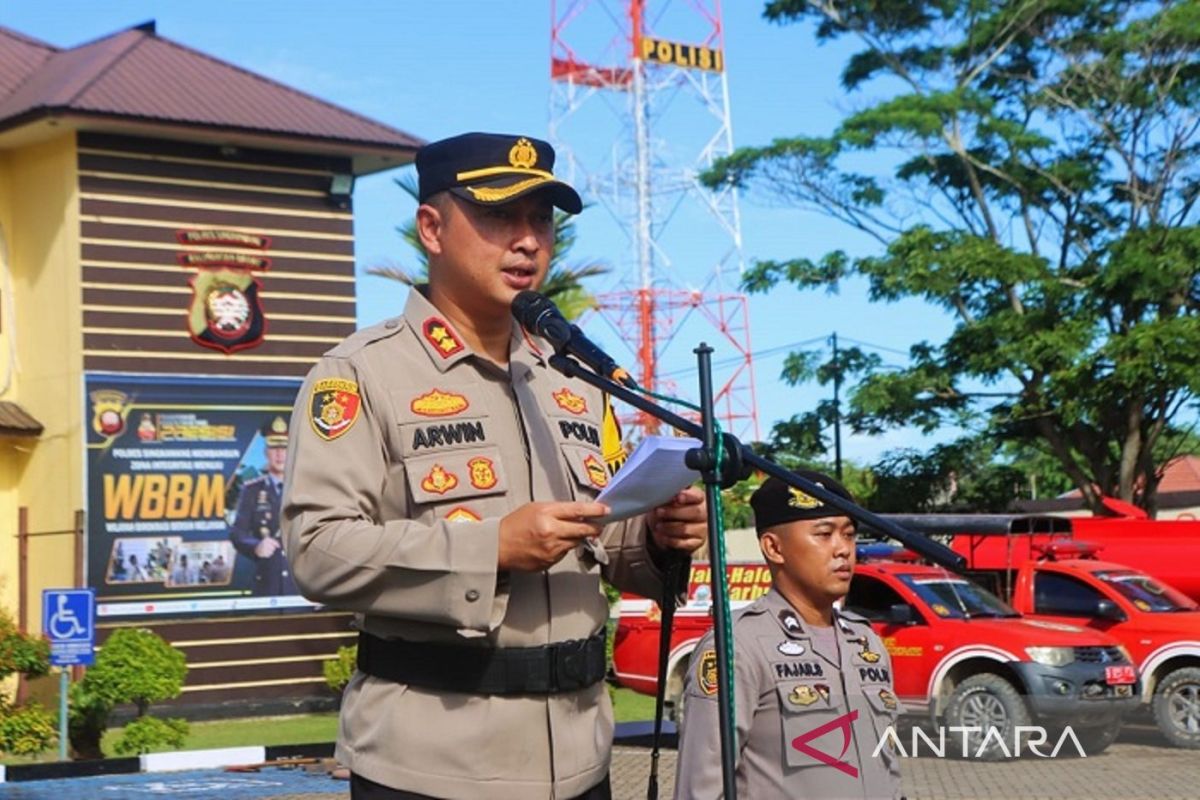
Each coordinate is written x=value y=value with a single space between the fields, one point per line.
x=391 y=323
x=472 y=595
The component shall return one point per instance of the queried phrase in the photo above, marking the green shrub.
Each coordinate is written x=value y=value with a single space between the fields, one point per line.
x=27 y=730
x=134 y=666
x=339 y=670
x=86 y=722
x=147 y=733
x=21 y=653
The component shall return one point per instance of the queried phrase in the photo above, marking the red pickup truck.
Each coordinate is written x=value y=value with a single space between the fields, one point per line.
x=1158 y=625
x=1167 y=549
x=958 y=653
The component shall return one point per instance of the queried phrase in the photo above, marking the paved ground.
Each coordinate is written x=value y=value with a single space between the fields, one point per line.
x=1138 y=767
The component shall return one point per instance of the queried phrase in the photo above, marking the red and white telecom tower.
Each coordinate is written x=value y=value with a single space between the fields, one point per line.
x=639 y=106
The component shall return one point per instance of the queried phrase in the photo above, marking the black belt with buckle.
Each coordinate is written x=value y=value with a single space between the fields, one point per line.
x=549 y=669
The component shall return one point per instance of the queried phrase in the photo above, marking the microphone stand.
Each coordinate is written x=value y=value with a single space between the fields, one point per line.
x=741 y=461
x=737 y=464
x=705 y=460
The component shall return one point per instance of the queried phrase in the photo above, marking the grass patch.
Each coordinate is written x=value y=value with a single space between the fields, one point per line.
x=631 y=706
x=628 y=706
x=294 y=729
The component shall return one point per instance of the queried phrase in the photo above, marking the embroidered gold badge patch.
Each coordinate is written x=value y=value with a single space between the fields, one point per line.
x=441 y=336
x=333 y=407
x=799 y=499
x=706 y=672
x=802 y=696
x=436 y=403
x=439 y=481
x=483 y=475
x=868 y=655
x=596 y=472
x=462 y=514
x=523 y=154
x=569 y=401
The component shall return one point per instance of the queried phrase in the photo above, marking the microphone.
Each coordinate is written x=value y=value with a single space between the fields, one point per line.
x=538 y=315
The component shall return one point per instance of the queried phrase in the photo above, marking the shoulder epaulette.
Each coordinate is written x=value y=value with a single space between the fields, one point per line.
x=367 y=336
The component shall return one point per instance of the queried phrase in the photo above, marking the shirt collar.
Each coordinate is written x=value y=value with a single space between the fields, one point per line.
x=445 y=346
x=793 y=625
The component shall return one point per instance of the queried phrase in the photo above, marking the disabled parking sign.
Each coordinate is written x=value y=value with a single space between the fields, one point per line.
x=69 y=622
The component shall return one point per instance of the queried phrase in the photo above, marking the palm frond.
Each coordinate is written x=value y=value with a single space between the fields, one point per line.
x=394 y=273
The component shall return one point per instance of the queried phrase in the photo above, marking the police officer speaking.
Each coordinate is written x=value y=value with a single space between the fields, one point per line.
x=812 y=684
x=433 y=490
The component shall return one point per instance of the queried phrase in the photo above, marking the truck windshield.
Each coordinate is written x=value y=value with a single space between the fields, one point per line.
x=955 y=598
x=1145 y=592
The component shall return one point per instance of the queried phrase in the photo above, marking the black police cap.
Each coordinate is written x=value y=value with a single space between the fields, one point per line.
x=776 y=503
x=492 y=169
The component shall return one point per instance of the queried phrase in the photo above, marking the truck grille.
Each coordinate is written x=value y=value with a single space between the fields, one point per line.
x=1099 y=655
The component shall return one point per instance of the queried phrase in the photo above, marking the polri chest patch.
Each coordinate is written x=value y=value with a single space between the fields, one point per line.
x=569 y=401
x=436 y=403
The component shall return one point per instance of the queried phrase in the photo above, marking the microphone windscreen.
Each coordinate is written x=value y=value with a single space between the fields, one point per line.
x=527 y=306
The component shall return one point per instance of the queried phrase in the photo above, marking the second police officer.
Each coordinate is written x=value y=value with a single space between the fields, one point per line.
x=812 y=683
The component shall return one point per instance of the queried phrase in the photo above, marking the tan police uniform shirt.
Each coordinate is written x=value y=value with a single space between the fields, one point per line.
x=809 y=718
x=406 y=451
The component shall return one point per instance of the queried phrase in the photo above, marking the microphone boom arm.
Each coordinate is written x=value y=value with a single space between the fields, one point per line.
x=741 y=457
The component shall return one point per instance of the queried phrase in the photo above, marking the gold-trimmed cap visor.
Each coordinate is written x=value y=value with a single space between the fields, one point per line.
x=506 y=188
x=491 y=169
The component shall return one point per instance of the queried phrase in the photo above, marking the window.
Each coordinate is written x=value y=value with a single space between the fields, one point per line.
x=873 y=598
x=1062 y=594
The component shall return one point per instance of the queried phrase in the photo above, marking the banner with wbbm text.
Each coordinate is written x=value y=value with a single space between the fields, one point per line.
x=183 y=485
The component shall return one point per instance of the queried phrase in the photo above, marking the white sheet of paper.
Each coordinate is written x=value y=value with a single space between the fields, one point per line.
x=652 y=475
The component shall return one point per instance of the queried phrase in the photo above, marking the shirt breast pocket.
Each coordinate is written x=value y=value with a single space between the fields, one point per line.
x=587 y=468
x=816 y=727
x=456 y=475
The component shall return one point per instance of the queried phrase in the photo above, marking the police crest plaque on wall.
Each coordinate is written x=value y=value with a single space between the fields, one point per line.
x=225 y=313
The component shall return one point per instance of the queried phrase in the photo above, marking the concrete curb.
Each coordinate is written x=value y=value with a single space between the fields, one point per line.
x=202 y=759
x=162 y=762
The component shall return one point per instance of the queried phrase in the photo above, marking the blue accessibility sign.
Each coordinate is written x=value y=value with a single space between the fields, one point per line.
x=69 y=622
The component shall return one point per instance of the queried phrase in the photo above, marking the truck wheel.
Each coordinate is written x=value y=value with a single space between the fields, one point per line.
x=987 y=701
x=1095 y=740
x=678 y=709
x=1177 y=707
x=675 y=697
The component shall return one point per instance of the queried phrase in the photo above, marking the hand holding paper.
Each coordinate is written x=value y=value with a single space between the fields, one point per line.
x=651 y=476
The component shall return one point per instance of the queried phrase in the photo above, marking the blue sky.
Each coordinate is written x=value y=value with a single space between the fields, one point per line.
x=440 y=68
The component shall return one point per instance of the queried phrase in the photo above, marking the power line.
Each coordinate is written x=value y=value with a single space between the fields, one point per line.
x=770 y=351
x=873 y=346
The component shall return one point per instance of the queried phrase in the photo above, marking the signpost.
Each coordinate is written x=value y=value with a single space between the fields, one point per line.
x=69 y=622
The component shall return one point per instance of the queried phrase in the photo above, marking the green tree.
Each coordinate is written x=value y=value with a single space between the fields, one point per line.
x=1045 y=197
x=563 y=284
x=968 y=475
